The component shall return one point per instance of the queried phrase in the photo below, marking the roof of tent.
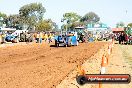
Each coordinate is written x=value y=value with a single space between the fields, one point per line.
x=7 y=29
x=79 y=27
x=117 y=29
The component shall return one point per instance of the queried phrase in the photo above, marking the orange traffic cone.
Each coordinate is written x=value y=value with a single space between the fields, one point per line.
x=103 y=64
x=80 y=70
x=104 y=61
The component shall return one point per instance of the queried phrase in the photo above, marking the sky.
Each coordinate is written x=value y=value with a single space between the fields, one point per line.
x=109 y=11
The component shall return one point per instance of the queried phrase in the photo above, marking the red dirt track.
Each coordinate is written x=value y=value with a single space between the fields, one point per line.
x=39 y=65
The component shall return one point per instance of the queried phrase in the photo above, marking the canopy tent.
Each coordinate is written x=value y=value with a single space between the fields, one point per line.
x=117 y=30
x=7 y=29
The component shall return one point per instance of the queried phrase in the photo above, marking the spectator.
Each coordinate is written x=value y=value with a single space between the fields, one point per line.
x=38 y=36
x=126 y=38
x=130 y=39
x=122 y=38
x=119 y=38
x=45 y=37
x=50 y=38
x=35 y=36
x=41 y=36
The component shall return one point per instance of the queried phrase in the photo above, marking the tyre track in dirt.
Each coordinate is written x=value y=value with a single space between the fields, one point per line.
x=16 y=56
x=44 y=69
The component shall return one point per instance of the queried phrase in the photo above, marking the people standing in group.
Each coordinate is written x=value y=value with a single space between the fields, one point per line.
x=126 y=38
x=3 y=35
x=50 y=37
x=35 y=37
x=130 y=39
x=119 y=38
x=122 y=38
x=38 y=36
x=45 y=37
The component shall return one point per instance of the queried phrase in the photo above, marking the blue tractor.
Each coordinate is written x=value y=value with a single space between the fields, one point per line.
x=67 y=39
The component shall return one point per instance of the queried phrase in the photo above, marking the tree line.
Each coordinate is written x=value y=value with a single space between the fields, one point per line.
x=73 y=19
x=32 y=15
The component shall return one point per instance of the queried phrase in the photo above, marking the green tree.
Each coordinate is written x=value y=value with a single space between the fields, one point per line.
x=31 y=14
x=3 y=15
x=90 y=17
x=130 y=25
x=128 y=29
x=70 y=18
x=13 y=20
x=3 y=18
x=55 y=26
x=76 y=24
x=120 y=25
x=43 y=25
x=64 y=27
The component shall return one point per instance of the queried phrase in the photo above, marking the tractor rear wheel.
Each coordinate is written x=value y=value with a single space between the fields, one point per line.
x=56 y=43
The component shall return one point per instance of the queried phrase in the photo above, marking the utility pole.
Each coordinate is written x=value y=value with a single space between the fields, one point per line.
x=1 y=21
